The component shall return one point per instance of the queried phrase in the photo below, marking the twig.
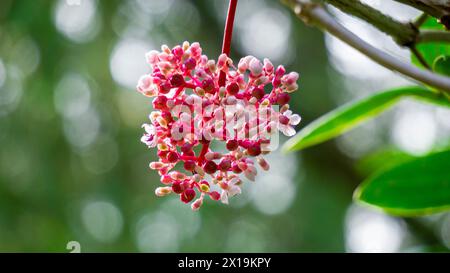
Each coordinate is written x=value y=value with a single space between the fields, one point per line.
x=403 y=34
x=316 y=14
x=432 y=36
x=431 y=10
x=419 y=57
x=420 y=20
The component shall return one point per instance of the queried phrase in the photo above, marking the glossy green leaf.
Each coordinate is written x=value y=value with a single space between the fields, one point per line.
x=431 y=51
x=382 y=158
x=441 y=65
x=418 y=187
x=349 y=116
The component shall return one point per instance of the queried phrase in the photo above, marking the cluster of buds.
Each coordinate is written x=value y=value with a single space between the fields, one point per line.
x=200 y=102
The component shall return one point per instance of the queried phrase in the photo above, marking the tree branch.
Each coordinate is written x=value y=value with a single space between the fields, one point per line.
x=427 y=8
x=403 y=34
x=317 y=15
x=431 y=36
x=419 y=57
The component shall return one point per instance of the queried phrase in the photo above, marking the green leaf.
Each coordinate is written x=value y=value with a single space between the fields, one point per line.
x=430 y=51
x=349 y=116
x=441 y=65
x=372 y=162
x=418 y=187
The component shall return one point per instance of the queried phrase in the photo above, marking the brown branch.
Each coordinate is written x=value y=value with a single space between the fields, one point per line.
x=315 y=14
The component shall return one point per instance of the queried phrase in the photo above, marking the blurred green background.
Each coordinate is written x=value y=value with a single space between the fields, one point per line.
x=72 y=167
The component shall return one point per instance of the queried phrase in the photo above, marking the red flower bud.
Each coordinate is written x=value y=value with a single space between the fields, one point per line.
x=187 y=195
x=189 y=165
x=214 y=195
x=258 y=93
x=208 y=85
x=210 y=167
x=186 y=148
x=177 y=187
x=165 y=87
x=232 y=89
x=232 y=145
x=190 y=63
x=254 y=149
x=172 y=157
x=283 y=98
x=225 y=165
x=160 y=103
x=235 y=167
x=177 y=80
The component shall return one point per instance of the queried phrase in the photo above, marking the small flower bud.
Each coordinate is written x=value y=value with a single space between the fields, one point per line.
x=208 y=85
x=156 y=165
x=162 y=147
x=200 y=91
x=211 y=64
x=213 y=155
x=255 y=67
x=197 y=204
x=165 y=49
x=204 y=186
x=163 y=191
x=222 y=62
x=189 y=165
x=166 y=179
x=225 y=165
x=175 y=175
x=258 y=93
x=263 y=163
x=268 y=66
x=214 y=195
x=232 y=88
x=177 y=80
x=185 y=45
x=232 y=145
x=199 y=170
x=210 y=167
x=178 y=187
x=283 y=98
x=187 y=195
x=254 y=149
x=152 y=57
x=222 y=92
x=190 y=63
x=160 y=102
x=242 y=165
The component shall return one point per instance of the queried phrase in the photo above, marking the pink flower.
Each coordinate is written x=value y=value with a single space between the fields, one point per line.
x=287 y=121
x=193 y=106
x=149 y=138
x=229 y=189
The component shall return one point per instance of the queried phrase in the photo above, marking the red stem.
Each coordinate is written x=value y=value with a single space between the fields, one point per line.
x=228 y=33
x=201 y=157
x=226 y=47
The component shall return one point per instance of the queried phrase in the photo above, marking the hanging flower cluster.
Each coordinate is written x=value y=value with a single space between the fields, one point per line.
x=198 y=102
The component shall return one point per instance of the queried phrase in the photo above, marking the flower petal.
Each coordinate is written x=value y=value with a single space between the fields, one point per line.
x=224 y=197
x=287 y=130
x=295 y=119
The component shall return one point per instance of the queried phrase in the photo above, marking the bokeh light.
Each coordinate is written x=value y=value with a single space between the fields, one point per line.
x=79 y=22
x=370 y=231
x=102 y=220
x=269 y=29
x=128 y=62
